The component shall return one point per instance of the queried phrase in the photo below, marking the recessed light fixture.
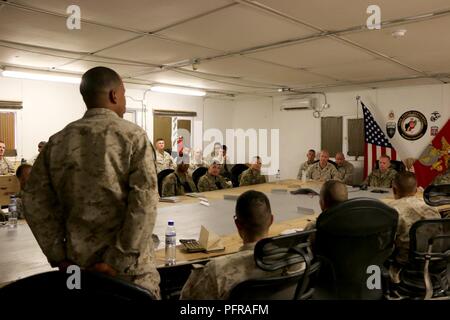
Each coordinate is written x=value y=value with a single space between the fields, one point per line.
x=40 y=76
x=399 y=33
x=178 y=90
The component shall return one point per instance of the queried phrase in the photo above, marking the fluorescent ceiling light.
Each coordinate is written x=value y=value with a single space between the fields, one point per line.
x=40 y=76
x=178 y=90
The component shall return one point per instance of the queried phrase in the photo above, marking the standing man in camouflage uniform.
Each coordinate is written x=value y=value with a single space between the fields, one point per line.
x=410 y=210
x=253 y=174
x=179 y=182
x=5 y=166
x=322 y=170
x=344 y=168
x=163 y=159
x=311 y=155
x=212 y=180
x=383 y=176
x=92 y=194
x=215 y=280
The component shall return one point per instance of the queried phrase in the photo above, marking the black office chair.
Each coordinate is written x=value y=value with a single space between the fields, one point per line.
x=350 y=237
x=52 y=286
x=437 y=195
x=236 y=171
x=329 y=161
x=173 y=279
x=198 y=173
x=276 y=253
x=161 y=175
x=398 y=166
x=425 y=275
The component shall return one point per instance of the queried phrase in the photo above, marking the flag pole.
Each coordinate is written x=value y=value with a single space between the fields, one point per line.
x=357 y=106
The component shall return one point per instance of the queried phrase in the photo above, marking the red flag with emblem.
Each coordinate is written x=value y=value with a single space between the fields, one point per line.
x=434 y=160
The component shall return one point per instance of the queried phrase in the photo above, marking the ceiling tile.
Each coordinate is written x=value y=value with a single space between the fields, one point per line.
x=426 y=44
x=365 y=70
x=154 y=50
x=249 y=69
x=48 y=31
x=21 y=56
x=315 y=53
x=236 y=28
x=342 y=14
x=144 y=15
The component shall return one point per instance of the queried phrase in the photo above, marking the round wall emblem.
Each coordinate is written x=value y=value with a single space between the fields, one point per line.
x=412 y=125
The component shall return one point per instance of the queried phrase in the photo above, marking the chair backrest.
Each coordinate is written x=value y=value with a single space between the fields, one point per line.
x=425 y=274
x=198 y=173
x=273 y=254
x=236 y=171
x=397 y=165
x=351 y=237
x=426 y=232
x=52 y=286
x=161 y=175
x=437 y=195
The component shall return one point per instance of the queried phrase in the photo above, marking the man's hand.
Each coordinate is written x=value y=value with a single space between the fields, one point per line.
x=104 y=268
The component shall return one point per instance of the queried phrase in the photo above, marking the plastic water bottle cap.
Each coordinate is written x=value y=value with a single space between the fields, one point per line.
x=171 y=222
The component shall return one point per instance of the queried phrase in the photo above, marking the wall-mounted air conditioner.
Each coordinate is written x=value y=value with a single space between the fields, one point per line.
x=298 y=104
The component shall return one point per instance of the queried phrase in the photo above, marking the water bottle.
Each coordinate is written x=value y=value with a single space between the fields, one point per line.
x=278 y=176
x=304 y=179
x=12 y=212
x=171 y=242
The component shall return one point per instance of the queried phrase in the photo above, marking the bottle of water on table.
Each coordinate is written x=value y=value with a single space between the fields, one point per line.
x=171 y=243
x=12 y=212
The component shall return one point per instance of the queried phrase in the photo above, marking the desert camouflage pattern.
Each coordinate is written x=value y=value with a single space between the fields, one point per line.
x=215 y=280
x=303 y=169
x=250 y=176
x=381 y=179
x=211 y=183
x=6 y=167
x=410 y=210
x=315 y=172
x=92 y=196
x=345 y=172
x=164 y=161
x=173 y=185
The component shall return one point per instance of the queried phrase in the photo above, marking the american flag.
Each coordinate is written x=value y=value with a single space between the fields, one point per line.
x=376 y=143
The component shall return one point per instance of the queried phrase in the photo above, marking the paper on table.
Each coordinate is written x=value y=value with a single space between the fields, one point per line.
x=210 y=240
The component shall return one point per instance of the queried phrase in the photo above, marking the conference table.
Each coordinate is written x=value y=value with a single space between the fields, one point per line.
x=20 y=255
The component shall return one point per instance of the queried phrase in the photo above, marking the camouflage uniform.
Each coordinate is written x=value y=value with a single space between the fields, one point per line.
x=164 y=161
x=315 y=172
x=92 y=197
x=379 y=179
x=443 y=178
x=19 y=205
x=211 y=183
x=410 y=210
x=215 y=280
x=304 y=168
x=6 y=167
x=250 y=176
x=173 y=185
x=345 y=172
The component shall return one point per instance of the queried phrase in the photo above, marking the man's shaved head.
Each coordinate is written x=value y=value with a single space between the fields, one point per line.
x=102 y=87
x=332 y=193
x=404 y=184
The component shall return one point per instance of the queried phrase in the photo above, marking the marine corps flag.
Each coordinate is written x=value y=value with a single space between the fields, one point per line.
x=434 y=160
